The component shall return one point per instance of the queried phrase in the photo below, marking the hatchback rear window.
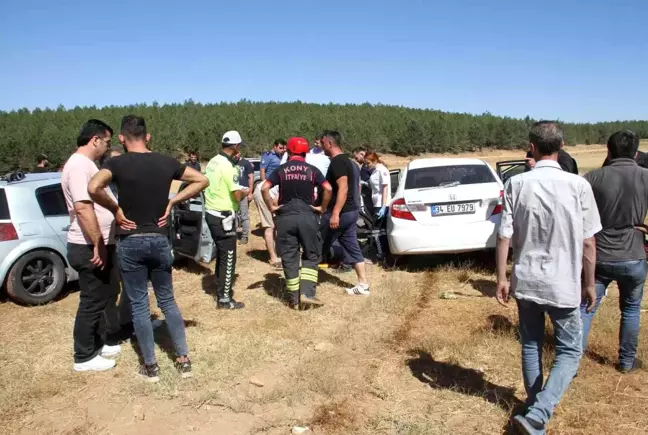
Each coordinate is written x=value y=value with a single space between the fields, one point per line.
x=51 y=200
x=4 y=206
x=442 y=176
x=257 y=165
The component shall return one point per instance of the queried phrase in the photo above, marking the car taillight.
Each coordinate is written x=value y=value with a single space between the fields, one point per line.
x=498 y=207
x=399 y=210
x=7 y=232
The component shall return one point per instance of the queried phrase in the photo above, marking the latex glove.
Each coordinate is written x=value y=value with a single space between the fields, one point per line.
x=381 y=212
x=364 y=183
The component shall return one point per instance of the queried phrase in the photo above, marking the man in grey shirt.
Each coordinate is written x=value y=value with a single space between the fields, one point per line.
x=549 y=218
x=621 y=192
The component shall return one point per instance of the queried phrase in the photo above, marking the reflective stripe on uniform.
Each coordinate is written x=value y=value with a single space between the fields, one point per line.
x=309 y=274
x=292 y=284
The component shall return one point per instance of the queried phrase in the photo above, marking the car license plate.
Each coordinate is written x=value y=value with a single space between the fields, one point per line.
x=459 y=208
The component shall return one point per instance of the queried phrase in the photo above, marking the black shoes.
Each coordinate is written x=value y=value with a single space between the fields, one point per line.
x=150 y=372
x=230 y=305
x=636 y=365
x=184 y=368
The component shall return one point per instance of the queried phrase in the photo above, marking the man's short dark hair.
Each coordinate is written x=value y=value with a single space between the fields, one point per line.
x=279 y=142
x=623 y=145
x=92 y=128
x=359 y=150
x=192 y=153
x=547 y=136
x=334 y=136
x=133 y=127
x=319 y=136
x=41 y=158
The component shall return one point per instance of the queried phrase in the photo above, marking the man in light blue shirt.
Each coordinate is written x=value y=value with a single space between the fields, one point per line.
x=271 y=160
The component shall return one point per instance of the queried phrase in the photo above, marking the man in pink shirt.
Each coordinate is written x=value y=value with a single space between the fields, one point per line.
x=91 y=250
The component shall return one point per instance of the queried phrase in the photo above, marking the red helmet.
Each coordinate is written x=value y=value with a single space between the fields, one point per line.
x=297 y=145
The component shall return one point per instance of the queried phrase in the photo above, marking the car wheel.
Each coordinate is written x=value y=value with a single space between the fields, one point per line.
x=36 y=278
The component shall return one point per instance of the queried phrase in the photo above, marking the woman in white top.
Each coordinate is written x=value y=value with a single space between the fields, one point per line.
x=380 y=183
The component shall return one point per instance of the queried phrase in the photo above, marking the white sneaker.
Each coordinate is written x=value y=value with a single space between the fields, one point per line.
x=110 y=350
x=358 y=289
x=96 y=364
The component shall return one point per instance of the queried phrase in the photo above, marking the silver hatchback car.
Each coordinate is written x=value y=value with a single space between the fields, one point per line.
x=33 y=237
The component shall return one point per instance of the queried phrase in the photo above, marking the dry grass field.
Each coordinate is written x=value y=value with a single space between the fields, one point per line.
x=429 y=352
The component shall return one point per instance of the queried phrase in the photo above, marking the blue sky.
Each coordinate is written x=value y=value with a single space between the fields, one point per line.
x=572 y=60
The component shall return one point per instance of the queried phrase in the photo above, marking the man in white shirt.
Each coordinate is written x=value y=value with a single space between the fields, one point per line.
x=550 y=219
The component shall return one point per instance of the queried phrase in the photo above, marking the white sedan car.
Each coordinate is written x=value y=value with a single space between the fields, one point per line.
x=445 y=205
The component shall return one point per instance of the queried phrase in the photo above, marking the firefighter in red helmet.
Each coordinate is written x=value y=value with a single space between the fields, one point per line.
x=297 y=221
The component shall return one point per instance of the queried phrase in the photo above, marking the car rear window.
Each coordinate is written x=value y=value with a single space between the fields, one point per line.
x=257 y=165
x=51 y=200
x=440 y=176
x=4 y=206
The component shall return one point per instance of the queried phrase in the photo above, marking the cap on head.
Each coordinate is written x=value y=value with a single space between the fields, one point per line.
x=232 y=138
x=297 y=145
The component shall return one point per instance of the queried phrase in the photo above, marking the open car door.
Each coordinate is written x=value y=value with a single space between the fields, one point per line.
x=395 y=176
x=509 y=168
x=190 y=236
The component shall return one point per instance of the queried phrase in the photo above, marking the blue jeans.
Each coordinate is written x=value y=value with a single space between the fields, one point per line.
x=630 y=277
x=346 y=235
x=139 y=258
x=567 y=328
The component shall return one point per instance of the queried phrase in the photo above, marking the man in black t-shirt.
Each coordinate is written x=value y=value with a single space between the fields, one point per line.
x=340 y=220
x=143 y=179
x=297 y=220
x=246 y=178
x=566 y=162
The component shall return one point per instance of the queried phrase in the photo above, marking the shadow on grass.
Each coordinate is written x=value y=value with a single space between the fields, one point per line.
x=501 y=325
x=331 y=278
x=442 y=375
x=484 y=286
x=259 y=255
x=272 y=284
x=599 y=359
x=162 y=338
x=258 y=232
x=191 y=266
x=210 y=287
x=68 y=289
x=482 y=260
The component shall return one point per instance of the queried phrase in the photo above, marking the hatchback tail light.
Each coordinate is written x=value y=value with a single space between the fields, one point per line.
x=7 y=232
x=399 y=210
x=498 y=207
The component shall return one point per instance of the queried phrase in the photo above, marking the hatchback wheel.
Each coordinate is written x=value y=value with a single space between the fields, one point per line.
x=36 y=278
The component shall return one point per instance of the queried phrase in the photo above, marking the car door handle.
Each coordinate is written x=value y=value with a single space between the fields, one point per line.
x=66 y=228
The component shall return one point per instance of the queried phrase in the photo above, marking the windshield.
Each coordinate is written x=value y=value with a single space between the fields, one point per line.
x=448 y=176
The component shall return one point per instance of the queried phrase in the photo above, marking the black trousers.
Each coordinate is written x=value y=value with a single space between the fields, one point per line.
x=299 y=233
x=98 y=289
x=226 y=257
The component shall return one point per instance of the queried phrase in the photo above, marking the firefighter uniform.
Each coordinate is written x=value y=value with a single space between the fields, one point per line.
x=298 y=225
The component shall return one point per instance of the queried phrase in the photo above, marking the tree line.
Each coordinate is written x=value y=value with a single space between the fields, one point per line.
x=176 y=128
